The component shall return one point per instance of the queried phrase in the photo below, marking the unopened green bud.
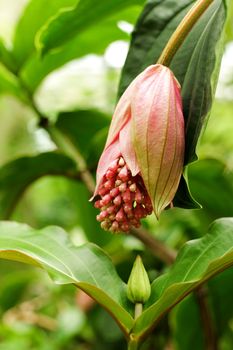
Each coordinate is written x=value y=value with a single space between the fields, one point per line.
x=138 y=287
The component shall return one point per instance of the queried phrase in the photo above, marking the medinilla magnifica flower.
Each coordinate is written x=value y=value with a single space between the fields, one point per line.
x=142 y=162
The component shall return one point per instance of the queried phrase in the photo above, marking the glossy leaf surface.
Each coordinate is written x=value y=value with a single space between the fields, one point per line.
x=35 y=14
x=70 y=22
x=193 y=64
x=18 y=174
x=87 y=266
x=196 y=262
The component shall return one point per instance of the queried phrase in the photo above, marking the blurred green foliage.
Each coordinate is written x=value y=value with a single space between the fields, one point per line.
x=35 y=314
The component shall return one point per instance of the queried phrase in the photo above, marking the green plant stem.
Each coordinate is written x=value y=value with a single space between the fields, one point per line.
x=182 y=31
x=159 y=249
x=138 y=310
x=133 y=344
x=208 y=327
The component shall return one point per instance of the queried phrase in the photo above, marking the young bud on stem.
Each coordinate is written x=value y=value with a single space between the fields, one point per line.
x=138 y=287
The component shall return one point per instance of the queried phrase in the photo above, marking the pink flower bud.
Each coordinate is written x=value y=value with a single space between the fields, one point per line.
x=126 y=196
x=114 y=192
x=158 y=134
x=117 y=200
x=142 y=162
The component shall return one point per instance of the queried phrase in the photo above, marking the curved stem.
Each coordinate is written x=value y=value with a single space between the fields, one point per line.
x=182 y=31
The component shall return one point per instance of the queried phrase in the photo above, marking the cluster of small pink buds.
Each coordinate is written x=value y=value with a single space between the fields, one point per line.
x=124 y=200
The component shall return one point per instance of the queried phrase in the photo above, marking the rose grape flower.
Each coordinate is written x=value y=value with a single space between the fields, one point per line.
x=142 y=162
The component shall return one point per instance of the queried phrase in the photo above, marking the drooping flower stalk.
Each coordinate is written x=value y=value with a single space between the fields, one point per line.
x=183 y=30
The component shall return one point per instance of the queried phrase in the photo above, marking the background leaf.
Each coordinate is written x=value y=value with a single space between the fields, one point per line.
x=70 y=22
x=188 y=325
x=9 y=84
x=87 y=216
x=186 y=319
x=18 y=174
x=6 y=57
x=36 y=68
x=87 y=266
x=34 y=16
x=83 y=128
x=211 y=183
x=196 y=262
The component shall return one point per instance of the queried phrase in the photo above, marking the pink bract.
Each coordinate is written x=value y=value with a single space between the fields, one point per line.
x=144 y=151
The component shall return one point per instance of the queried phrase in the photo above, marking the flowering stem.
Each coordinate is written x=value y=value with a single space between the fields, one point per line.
x=159 y=249
x=138 y=310
x=182 y=31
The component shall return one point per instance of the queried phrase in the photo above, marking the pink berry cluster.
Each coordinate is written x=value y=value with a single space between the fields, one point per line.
x=123 y=199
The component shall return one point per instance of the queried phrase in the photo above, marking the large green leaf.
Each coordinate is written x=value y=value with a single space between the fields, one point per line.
x=197 y=261
x=93 y=40
x=87 y=266
x=193 y=65
x=91 y=270
x=70 y=22
x=34 y=16
x=18 y=174
x=196 y=64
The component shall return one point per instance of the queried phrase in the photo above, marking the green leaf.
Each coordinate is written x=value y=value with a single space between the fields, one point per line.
x=229 y=25
x=220 y=294
x=36 y=68
x=9 y=84
x=14 y=286
x=188 y=325
x=83 y=128
x=195 y=65
x=211 y=184
x=18 y=174
x=187 y=319
x=34 y=16
x=87 y=266
x=6 y=57
x=196 y=262
x=70 y=22
x=183 y=197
